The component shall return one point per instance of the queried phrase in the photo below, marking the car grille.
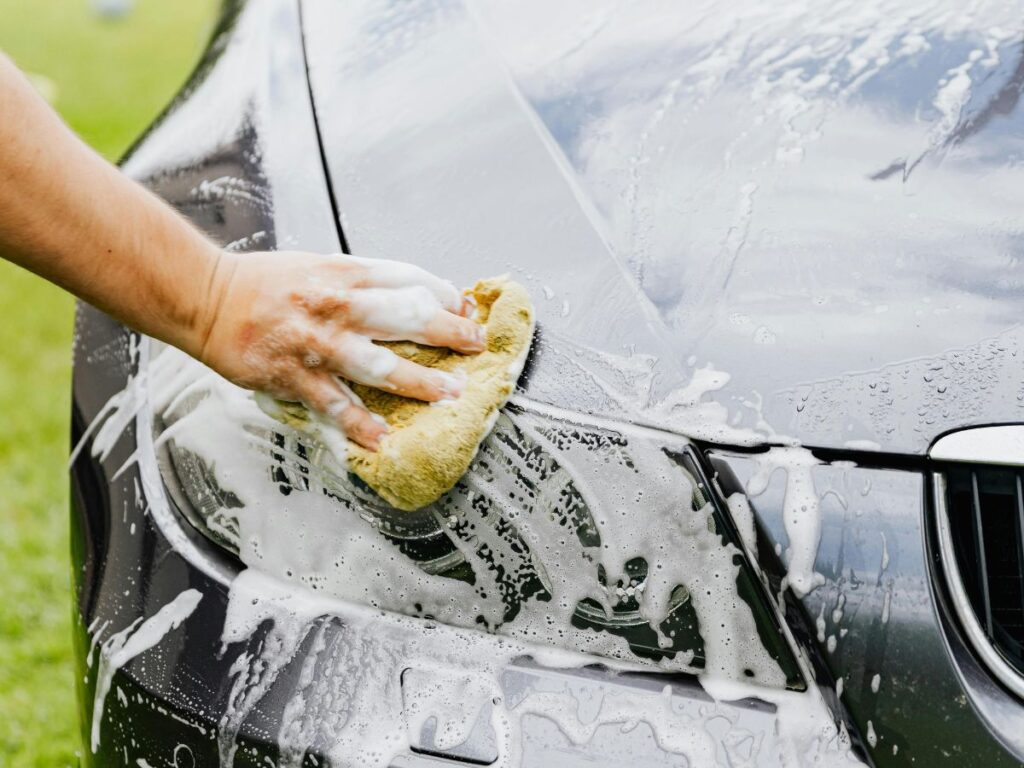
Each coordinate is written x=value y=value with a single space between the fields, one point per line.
x=984 y=508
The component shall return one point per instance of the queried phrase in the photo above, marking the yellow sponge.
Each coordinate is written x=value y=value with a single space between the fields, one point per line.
x=429 y=446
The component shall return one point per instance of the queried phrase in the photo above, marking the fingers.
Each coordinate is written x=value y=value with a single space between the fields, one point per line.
x=468 y=306
x=422 y=383
x=392 y=314
x=339 y=405
x=455 y=332
x=358 y=359
x=384 y=273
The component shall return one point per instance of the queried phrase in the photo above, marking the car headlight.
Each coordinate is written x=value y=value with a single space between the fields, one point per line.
x=606 y=538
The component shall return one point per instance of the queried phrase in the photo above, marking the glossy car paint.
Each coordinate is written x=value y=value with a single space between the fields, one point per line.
x=882 y=611
x=473 y=145
x=819 y=199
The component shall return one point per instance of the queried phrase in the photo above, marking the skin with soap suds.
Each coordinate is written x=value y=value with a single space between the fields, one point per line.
x=429 y=448
x=284 y=323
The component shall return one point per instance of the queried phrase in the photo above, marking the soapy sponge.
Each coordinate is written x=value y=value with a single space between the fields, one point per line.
x=430 y=446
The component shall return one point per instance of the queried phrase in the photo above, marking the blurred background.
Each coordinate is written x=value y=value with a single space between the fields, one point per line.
x=109 y=67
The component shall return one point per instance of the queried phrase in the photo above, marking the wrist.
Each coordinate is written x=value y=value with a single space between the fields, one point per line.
x=210 y=294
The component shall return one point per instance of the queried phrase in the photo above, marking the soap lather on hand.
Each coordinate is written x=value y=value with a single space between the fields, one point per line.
x=429 y=446
x=292 y=326
x=306 y=335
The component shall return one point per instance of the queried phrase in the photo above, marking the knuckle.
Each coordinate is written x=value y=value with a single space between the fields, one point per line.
x=322 y=303
x=336 y=410
x=355 y=275
x=347 y=413
x=343 y=349
x=428 y=386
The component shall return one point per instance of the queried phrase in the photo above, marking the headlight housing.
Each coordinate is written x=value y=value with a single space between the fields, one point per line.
x=606 y=538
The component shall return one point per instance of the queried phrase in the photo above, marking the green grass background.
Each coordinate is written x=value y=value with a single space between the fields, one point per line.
x=109 y=78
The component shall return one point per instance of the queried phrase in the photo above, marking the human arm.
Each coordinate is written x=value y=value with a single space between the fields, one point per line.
x=288 y=324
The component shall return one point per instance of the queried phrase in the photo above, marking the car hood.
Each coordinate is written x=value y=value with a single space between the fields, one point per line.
x=745 y=221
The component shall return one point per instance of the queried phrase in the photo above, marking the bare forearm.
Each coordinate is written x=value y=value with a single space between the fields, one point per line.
x=69 y=216
x=294 y=326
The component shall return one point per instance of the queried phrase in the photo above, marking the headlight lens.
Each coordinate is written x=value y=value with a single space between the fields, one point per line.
x=598 y=538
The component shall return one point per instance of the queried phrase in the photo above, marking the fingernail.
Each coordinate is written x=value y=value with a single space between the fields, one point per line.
x=375 y=437
x=452 y=386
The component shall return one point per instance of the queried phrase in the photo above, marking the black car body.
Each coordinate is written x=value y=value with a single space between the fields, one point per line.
x=759 y=237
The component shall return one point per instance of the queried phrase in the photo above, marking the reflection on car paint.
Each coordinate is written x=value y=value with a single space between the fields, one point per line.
x=121 y=647
x=716 y=176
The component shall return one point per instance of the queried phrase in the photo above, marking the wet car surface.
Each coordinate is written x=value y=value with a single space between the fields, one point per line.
x=746 y=230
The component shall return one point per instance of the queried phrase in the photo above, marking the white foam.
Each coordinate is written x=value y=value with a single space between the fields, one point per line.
x=402 y=312
x=801 y=511
x=123 y=646
x=628 y=384
x=385 y=273
x=807 y=733
x=837 y=612
x=324 y=538
x=743 y=515
x=862 y=445
x=358 y=709
x=369 y=363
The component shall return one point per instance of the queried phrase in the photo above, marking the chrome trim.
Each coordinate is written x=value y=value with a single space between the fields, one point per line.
x=1003 y=444
x=1006 y=674
x=157 y=497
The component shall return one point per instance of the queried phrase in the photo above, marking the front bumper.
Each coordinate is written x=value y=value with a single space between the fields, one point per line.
x=877 y=637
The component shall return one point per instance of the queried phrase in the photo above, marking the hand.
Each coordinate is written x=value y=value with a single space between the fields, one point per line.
x=290 y=324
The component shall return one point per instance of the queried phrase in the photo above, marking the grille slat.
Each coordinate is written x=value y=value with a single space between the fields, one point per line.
x=981 y=564
x=984 y=506
x=1020 y=544
x=978 y=483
